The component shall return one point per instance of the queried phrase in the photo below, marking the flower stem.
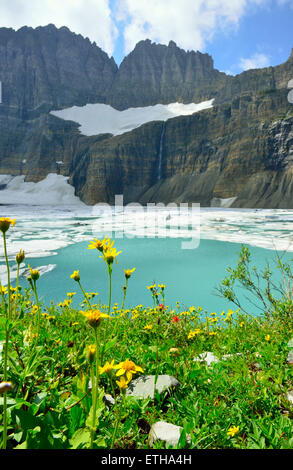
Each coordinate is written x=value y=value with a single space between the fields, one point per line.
x=8 y=314
x=125 y=291
x=110 y=287
x=95 y=385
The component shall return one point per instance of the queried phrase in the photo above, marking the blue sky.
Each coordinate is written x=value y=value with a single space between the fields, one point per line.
x=239 y=34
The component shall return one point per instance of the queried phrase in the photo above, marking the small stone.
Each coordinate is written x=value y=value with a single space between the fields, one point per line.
x=290 y=357
x=257 y=365
x=144 y=386
x=290 y=396
x=167 y=432
x=109 y=399
x=207 y=357
x=229 y=356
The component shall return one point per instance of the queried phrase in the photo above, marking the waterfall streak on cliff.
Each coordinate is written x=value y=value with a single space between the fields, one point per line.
x=161 y=151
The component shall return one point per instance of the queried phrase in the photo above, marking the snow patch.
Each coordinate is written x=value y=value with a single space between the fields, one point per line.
x=54 y=190
x=223 y=203
x=97 y=119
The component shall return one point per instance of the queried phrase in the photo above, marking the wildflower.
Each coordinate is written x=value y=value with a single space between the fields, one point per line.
x=66 y=303
x=5 y=223
x=20 y=257
x=3 y=290
x=35 y=309
x=232 y=431
x=148 y=327
x=241 y=324
x=122 y=383
x=193 y=333
x=212 y=333
x=128 y=272
x=175 y=319
x=98 y=244
x=128 y=368
x=162 y=307
x=6 y=386
x=108 y=367
x=75 y=324
x=162 y=286
x=75 y=276
x=94 y=317
x=151 y=287
x=91 y=352
x=35 y=274
x=71 y=294
x=192 y=309
x=268 y=337
x=110 y=254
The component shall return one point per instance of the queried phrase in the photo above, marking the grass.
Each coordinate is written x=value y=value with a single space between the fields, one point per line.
x=55 y=355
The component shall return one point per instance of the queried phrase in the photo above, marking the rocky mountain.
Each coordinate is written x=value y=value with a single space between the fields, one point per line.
x=241 y=150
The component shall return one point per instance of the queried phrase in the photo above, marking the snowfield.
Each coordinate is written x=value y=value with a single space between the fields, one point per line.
x=53 y=190
x=97 y=119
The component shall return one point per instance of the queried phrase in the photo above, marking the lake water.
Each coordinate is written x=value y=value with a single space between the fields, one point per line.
x=57 y=241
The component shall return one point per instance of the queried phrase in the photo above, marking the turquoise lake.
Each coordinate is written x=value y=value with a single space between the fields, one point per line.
x=56 y=242
x=191 y=276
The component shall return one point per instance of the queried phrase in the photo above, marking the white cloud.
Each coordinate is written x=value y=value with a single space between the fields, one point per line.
x=256 y=61
x=190 y=23
x=91 y=18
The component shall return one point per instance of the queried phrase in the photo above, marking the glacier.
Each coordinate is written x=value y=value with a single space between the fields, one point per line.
x=95 y=119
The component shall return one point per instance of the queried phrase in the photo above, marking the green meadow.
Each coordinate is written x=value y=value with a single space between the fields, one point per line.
x=66 y=371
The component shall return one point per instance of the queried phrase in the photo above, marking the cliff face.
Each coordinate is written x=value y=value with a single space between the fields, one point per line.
x=46 y=68
x=242 y=148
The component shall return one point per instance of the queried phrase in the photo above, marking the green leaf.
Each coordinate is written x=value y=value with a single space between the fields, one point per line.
x=80 y=438
x=99 y=409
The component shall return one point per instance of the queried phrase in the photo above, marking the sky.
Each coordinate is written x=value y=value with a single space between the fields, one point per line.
x=238 y=34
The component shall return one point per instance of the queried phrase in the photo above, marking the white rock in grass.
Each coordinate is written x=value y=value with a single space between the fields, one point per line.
x=207 y=357
x=290 y=396
x=167 y=432
x=144 y=386
x=230 y=356
x=290 y=357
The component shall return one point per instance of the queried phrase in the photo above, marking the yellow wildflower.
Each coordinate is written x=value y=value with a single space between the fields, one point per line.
x=268 y=337
x=75 y=276
x=148 y=327
x=122 y=383
x=232 y=431
x=99 y=244
x=108 y=367
x=5 y=223
x=91 y=352
x=94 y=317
x=110 y=254
x=193 y=333
x=128 y=368
x=128 y=272
x=20 y=257
x=35 y=274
